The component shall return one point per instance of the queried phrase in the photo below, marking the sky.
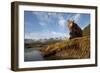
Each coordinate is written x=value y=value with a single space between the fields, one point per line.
x=45 y=25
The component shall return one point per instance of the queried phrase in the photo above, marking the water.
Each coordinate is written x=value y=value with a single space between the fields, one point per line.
x=32 y=54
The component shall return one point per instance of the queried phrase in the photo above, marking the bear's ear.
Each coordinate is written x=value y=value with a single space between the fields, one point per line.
x=68 y=21
x=73 y=21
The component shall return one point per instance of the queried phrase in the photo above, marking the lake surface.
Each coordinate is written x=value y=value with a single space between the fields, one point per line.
x=32 y=54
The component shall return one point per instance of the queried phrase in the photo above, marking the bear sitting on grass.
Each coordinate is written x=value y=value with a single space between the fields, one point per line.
x=75 y=30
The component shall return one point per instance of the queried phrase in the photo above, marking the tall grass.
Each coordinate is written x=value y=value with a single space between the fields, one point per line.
x=77 y=48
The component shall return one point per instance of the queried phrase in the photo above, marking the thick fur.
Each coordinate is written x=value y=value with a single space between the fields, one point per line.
x=75 y=30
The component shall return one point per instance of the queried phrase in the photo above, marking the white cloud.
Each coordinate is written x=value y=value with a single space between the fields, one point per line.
x=61 y=21
x=42 y=17
x=42 y=23
x=53 y=14
x=46 y=18
x=75 y=17
x=44 y=35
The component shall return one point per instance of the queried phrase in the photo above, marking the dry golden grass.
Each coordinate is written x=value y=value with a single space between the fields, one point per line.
x=77 y=48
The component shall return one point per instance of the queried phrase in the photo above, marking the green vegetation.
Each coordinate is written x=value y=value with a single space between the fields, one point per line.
x=86 y=31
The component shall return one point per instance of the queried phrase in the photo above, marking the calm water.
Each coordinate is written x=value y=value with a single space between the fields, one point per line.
x=32 y=54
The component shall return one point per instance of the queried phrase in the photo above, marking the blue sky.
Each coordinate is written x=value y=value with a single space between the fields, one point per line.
x=41 y=25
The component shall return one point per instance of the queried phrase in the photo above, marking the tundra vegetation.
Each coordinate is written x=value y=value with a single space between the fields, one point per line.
x=58 y=49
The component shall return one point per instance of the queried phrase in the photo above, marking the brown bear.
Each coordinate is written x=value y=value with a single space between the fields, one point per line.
x=75 y=30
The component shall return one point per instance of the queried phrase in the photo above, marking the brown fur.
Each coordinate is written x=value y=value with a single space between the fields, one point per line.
x=75 y=30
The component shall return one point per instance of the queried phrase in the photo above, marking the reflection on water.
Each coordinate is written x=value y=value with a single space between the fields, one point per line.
x=32 y=54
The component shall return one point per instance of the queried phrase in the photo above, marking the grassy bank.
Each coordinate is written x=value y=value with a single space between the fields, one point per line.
x=77 y=48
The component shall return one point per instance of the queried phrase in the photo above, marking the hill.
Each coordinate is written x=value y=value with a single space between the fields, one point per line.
x=86 y=31
x=77 y=48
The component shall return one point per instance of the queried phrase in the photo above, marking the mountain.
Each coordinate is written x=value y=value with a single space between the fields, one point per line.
x=28 y=41
x=86 y=31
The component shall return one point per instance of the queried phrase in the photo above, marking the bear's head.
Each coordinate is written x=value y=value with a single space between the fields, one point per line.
x=70 y=23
